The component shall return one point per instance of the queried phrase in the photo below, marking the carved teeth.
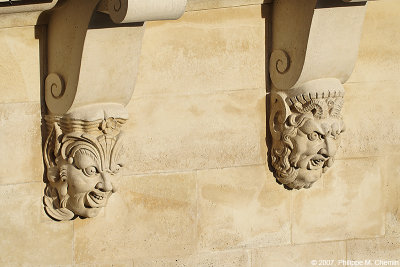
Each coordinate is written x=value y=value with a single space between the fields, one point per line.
x=97 y=198
x=317 y=162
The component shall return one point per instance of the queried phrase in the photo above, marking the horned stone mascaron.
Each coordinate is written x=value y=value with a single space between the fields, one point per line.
x=83 y=160
x=306 y=128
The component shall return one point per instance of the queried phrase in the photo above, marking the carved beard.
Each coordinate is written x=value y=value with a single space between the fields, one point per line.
x=285 y=161
x=291 y=177
x=282 y=149
x=299 y=162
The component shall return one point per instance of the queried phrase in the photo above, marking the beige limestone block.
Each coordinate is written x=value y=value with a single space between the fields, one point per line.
x=19 y=19
x=149 y=217
x=241 y=207
x=237 y=258
x=165 y=262
x=205 y=51
x=348 y=203
x=210 y=4
x=378 y=249
x=115 y=263
x=20 y=143
x=379 y=53
x=20 y=68
x=298 y=255
x=391 y=174
x=371 y=117
x=181 y=132
x=28 y=238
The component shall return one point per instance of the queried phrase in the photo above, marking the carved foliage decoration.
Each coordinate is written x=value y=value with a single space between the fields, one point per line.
x=306 y=129
x=83 y=160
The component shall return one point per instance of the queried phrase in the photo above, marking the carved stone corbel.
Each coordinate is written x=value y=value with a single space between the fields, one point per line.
x=314 y=50
x=92 y=65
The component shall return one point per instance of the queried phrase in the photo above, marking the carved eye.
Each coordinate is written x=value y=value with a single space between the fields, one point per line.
x=117 y=168
x=89 y=171
x=315 y=136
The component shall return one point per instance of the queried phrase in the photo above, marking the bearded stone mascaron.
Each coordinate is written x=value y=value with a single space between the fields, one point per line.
x=83 y=160
x=306 y=129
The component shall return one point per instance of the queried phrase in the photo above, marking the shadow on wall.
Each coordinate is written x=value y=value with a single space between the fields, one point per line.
x=266 y=14
x=40 y=34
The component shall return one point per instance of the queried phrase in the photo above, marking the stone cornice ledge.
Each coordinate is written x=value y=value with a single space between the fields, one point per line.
x=314 y=50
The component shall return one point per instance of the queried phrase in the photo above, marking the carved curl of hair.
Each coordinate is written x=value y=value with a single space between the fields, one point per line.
x=318 y=107
x=55 y=194
x=281 y=149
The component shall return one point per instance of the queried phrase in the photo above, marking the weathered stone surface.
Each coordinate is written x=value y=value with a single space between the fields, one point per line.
x=166 y=262
x=391 y=174
x=180 y=132
x=20 y=143
x=241 y=207
x=349 y=204
x=20 y=70
x=371 y=129
x=237 y=258
x=114 y=263
x=150 y=216
x=28 y=237
x=205 y=51
x=299 y=255
x=375 y=249
x=185 y=116
x=19 y=19
x=379 y=54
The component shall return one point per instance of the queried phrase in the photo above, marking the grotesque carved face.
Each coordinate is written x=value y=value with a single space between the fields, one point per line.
x=90 y=182
x=305 y=144
x=82 y=176
x=314 y=149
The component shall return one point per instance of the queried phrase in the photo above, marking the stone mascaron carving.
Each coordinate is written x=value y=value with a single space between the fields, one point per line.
x=92 y=65
x=306 y=128
x=83 y=160
x=314 y=50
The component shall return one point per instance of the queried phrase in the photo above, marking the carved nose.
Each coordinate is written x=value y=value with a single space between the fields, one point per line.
x=105 y=185
x=329 y=149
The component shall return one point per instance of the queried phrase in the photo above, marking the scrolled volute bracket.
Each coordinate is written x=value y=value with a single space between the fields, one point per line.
x=92 y=64
x=314 y=50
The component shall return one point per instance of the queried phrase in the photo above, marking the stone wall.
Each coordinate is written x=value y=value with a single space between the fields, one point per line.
x=197 y=191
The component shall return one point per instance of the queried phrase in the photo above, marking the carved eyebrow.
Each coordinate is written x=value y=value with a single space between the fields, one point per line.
x=86 y=152
x=313 y=126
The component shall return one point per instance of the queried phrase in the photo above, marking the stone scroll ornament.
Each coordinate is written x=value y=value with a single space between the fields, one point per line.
x=314 y=50
x=92 y=64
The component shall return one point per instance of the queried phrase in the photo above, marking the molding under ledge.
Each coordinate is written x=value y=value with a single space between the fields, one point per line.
x=197 y=5
x=24 y=13
x=314 y=50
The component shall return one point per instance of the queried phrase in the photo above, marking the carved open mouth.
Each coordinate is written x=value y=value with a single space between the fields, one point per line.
x=96 y=199
x=317 y=161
